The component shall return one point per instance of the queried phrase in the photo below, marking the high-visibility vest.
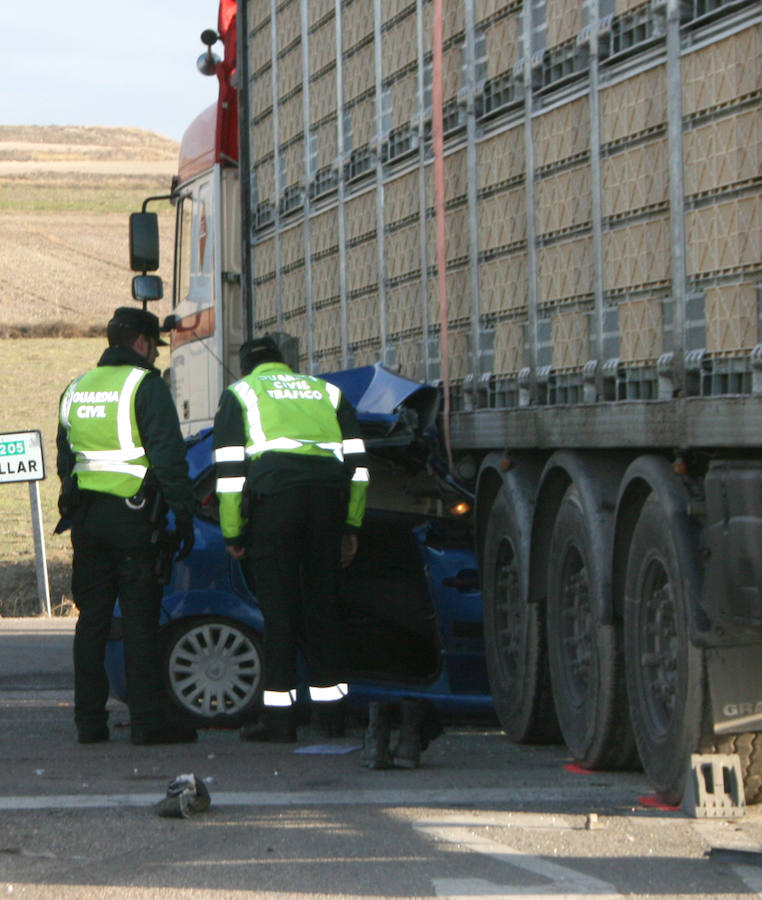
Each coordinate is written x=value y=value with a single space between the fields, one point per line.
x=98 y=413
x=288 y=412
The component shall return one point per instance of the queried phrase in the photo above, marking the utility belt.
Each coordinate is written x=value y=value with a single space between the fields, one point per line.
x=277 y=472
x=145 y=498
x=75 y=503
x=148 y=501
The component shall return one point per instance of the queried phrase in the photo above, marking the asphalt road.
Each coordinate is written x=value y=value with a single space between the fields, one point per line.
x=480 y=818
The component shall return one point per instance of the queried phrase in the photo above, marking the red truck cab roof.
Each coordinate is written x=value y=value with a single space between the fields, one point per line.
x=213 y=135
x=197 y=149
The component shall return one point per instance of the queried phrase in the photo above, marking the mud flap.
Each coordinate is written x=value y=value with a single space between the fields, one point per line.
x=735 y=688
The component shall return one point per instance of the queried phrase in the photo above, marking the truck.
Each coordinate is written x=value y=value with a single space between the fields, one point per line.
x=550 y=211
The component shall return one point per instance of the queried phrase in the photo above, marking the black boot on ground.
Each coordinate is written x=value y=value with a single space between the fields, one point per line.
x=407 y=752
x=375 y=750
x=275 y=726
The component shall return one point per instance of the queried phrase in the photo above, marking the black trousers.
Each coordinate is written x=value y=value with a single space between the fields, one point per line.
x=294 y=565
x=114 y=557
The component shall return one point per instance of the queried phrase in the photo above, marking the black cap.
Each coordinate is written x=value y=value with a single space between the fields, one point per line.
x=263 y=348
x=139 y=320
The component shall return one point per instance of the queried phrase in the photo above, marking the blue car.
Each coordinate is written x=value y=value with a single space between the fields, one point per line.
x=410 y=603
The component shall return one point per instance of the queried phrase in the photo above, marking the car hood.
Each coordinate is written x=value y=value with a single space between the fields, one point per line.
x=393 y=411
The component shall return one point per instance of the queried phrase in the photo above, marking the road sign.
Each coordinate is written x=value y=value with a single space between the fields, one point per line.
x=21 y=457
x=21 y=460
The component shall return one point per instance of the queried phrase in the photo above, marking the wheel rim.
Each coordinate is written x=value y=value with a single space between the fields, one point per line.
x=509 y=612
x=576 y=636
x=658 y=637
x=214 y=669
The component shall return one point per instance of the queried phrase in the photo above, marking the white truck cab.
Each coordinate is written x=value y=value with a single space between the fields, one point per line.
x=206 y=283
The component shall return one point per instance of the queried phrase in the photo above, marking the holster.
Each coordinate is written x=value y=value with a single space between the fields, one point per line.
x=69 y=497
x=69 y=501
x=166 y=543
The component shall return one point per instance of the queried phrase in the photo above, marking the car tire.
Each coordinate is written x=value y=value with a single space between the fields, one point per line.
x=213 y=671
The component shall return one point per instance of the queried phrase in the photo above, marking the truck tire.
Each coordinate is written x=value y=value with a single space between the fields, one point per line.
x=585 y=655
x=212 y=669
x=666 y=680
x=514 y=635
x=748 y=746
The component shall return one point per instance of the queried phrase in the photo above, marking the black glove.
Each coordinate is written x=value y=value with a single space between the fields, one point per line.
x=185 y=539
x=68 y=499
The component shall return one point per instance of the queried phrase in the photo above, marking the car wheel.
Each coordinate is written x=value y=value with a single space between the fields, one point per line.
x=213 y=671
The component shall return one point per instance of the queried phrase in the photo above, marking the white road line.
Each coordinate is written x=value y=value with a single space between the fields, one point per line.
x=558 y=881
x=721 y=833
x=507 y=799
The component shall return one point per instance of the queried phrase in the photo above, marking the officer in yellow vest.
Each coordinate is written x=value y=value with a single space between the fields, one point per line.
x=119 y=441
x=292 y=500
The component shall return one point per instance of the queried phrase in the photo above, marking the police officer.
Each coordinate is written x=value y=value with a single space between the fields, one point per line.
x=119 y=442
x=291 y=501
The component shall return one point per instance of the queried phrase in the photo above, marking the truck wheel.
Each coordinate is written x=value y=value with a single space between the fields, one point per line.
x=665 y=672
x=748 y=746
x=513 y=635
x=213 y=671
x=585 y=656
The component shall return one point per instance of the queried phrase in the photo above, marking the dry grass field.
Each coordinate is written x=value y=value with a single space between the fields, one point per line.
x=35 y=371
x=65 y=197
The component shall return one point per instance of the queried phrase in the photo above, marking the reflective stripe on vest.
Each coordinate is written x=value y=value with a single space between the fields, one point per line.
x=98 y=413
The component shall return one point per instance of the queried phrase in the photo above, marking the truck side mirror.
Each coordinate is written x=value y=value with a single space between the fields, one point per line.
x=144 y=242
x=147 y=287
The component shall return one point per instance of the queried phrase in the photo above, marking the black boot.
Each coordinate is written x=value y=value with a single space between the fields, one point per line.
x=375 y=750
x=275 y=726
x=407 y=753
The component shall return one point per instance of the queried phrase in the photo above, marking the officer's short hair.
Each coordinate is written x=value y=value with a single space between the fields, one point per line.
x=257 y=351
x=129 y=322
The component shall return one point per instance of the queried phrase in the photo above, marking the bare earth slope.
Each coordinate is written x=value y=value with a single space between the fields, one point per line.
x=65 y=197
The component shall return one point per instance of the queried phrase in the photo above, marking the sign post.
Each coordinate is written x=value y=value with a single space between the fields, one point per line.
x=21 y=459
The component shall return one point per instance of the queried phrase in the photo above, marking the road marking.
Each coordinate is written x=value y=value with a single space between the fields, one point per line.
x=507 y=799
x=558 y=881
x=721 y=833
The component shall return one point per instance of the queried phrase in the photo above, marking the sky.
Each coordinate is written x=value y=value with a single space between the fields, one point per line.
x=105 y=62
